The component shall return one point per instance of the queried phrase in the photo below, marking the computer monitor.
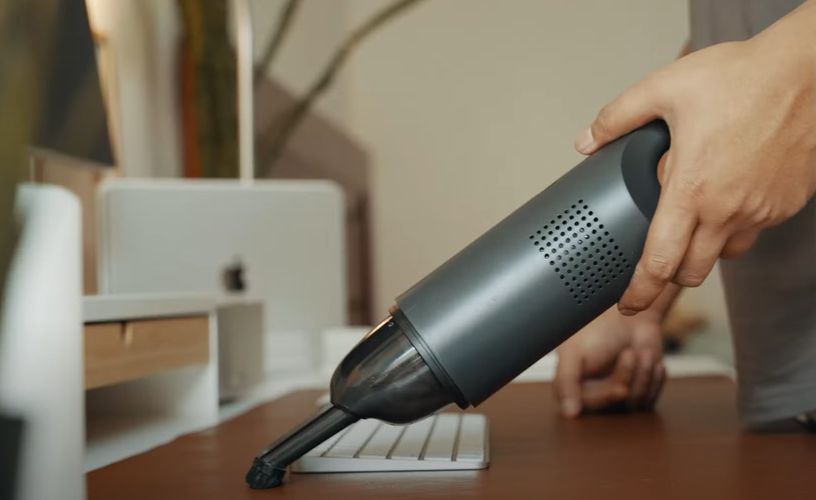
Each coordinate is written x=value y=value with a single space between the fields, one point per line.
x=72 y=121
x=281 y=241
x=11 y=433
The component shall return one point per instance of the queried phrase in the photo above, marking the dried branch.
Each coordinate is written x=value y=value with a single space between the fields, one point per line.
x=211 y=86
x=281 y=131
x=285 y=18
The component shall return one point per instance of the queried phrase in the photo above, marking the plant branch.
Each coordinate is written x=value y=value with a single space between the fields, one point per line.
x=281 y=131
x=285 y=18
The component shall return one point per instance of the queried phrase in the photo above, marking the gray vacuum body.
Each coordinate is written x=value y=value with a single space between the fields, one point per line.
x=540 y=274
x=498 y=306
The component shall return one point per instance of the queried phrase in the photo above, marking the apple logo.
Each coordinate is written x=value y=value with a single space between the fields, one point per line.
x=233 y=276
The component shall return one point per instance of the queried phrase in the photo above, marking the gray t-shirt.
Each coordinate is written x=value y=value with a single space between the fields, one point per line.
x=771 y=290
x=716 y=21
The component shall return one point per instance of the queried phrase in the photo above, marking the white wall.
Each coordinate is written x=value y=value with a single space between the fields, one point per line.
x=318 y=29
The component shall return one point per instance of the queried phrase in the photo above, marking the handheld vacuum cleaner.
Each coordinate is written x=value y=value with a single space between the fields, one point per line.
x=499 y=305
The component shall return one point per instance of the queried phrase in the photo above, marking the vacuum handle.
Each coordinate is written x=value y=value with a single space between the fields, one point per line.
x=640 y=161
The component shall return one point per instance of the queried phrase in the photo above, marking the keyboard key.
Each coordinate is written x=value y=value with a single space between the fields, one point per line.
x=412 y=441
x=443 y=437
x=381 y=442
x=443 y=442
x=472 y=436
x=353 y=440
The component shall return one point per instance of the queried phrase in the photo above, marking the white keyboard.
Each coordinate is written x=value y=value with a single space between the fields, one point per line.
x=447 y=441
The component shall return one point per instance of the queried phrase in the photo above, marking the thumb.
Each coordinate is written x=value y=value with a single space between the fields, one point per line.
x=636 y=107
x=568 y=383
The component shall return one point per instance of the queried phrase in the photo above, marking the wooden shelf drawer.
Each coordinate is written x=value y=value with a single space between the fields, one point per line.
x=119 y=352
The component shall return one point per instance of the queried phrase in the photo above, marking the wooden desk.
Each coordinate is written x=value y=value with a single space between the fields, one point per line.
x=691 y=447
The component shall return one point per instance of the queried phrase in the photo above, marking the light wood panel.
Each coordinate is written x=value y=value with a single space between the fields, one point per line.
x=119 y=352
x=81 y=179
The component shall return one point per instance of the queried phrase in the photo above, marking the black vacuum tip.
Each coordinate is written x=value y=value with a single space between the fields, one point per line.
x=264 y=475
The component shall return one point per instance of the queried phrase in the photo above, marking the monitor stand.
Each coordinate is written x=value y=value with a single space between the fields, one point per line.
x=11 y=433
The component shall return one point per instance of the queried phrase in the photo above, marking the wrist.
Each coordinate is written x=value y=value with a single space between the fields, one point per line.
x=791 y=39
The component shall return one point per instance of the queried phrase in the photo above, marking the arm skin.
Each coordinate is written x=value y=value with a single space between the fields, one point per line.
x=742 y=116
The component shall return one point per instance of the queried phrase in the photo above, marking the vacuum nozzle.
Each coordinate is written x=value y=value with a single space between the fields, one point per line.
x=269 y=467
x=383 y=377
x=263 y=475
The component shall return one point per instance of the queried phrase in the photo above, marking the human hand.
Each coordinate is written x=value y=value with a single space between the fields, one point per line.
x=742 y=118
x=615 y=360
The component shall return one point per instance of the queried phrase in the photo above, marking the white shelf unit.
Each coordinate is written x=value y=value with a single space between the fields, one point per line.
x=132 y=417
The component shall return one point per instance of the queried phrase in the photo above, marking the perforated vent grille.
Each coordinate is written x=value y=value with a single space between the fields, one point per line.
x=581 y=251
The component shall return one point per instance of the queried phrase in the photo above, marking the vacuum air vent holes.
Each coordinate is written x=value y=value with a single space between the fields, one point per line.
x=581 y=251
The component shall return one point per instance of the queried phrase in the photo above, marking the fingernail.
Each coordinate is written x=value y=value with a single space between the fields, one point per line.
x=570 y=408
x=585 y=141
x=627 y=312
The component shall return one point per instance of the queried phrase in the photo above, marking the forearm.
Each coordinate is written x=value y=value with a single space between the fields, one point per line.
x=793 y=35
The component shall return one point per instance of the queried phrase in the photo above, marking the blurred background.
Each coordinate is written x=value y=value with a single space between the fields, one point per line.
x=463 y=109
x=215 y=198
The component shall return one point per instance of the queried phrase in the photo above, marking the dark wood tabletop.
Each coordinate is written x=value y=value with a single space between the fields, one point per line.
x=691 y=447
